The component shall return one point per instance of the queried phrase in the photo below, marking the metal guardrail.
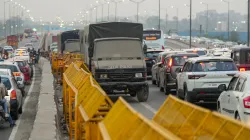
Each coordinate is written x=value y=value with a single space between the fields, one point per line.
x=90 y=114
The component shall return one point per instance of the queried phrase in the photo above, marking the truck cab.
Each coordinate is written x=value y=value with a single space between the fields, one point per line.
x=119 y=66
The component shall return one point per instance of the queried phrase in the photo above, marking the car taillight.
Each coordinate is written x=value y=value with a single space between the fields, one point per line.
x=242 y=69
x=246 y=102
x=196 y=76
x=16 y=73
x=13 y=94
x=146 y=59
x=170 y=62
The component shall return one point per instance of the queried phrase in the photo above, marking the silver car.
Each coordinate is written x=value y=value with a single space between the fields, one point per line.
x=14 y=97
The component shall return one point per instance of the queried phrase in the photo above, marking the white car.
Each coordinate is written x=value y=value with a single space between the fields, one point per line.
x=13 y=66
x=200 y=77
x=6 y=72
x=234 y=101
x=21 y=54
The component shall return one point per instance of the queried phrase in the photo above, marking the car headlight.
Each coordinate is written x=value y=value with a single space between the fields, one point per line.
x=138 y=75
x=103 y=76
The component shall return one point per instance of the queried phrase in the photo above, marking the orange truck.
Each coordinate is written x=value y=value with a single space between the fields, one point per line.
x=12 y=40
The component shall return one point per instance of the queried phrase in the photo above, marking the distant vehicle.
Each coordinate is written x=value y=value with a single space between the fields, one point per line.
x=241 y=57
x=28 y=45
x=15 y=97
x=159 y=61
x=9 y=50
x=33 y=39
x=25 y=69
x=235 y=98
x=28 y=32
x=150 y=57
x=200 y=52
x=151 y=36
x=168 y=70
x=198 y=80
x=12 y=40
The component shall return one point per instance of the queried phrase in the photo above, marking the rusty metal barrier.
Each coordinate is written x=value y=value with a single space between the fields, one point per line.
x=85 y=104
x=189 y=122
x=123 y=123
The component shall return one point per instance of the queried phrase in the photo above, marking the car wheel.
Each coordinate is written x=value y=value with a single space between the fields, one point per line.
x=187 y=97
x=20 y=110
x=153 y=81
x=166 y=90
x=142 y=95
x=237 y=116
x=177 y=91
x=157 y=81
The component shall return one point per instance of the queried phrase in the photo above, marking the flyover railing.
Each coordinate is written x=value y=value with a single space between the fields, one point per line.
x=90 y=114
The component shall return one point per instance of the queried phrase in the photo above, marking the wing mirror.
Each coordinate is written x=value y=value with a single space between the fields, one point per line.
x=222 y=87
x=178 y=70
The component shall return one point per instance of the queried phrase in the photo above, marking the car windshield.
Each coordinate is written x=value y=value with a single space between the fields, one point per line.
x=8 y=49
x=6 y=82
x=152 y=54
x=180 y=60
x=215 y=65
x=200 y=53
x=20 y=63
x=11 y=67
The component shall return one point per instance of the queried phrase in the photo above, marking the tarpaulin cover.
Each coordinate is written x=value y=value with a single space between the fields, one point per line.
x=74 y=34
x=114 y=29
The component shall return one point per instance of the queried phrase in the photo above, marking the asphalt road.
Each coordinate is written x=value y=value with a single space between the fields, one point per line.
x=25 y=122
x=156 y=97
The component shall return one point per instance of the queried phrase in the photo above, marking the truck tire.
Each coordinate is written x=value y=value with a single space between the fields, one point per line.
x=142 y=94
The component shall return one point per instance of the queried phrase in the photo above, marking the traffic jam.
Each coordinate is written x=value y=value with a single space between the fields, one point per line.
x=215 y=76
x=16 y=72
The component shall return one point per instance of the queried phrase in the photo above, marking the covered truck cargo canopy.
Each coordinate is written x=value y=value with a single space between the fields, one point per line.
x=73 y=34
x=114 y=29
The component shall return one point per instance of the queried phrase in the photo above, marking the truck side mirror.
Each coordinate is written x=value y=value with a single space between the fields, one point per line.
x=90 y=52
x=145 y=47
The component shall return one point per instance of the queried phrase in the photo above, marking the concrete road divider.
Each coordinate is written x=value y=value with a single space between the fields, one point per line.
x=189 y=122
x=123 y=123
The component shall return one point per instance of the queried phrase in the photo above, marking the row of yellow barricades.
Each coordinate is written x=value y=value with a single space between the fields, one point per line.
x=91 y=115
x=59 y=63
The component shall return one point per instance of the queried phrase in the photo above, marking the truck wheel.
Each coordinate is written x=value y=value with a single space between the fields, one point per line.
x=142 y=95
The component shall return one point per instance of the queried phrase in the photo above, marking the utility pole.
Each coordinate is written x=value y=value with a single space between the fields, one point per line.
x=137 y=3
x=190 y=33
x=159 y=15
x=248 y=26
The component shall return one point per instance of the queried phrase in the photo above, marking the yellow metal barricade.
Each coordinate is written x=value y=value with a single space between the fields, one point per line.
x=190 y=122
x=124 y=123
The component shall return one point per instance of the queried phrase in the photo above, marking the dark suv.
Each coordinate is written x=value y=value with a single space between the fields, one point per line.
x=168 y=71
x=241 y=57
x=150 y=56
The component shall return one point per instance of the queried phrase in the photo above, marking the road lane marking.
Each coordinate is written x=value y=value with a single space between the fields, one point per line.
x=14 y=130
x=147 y=106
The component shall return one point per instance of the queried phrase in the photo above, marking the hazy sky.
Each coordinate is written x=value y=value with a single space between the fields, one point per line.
x=68 y=9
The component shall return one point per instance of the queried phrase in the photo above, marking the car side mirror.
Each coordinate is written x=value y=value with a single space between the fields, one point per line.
x=222 y=87
x=178 y=70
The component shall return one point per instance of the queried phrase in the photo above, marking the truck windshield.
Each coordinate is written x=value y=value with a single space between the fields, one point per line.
x=118 y=49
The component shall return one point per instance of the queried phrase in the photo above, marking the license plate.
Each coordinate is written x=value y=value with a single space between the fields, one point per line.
x=212 y=85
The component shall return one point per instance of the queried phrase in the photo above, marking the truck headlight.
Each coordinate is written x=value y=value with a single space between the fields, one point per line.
x=103 y=76
x=138 y=75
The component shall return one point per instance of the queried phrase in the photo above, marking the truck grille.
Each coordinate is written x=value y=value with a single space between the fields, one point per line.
x=121 y=75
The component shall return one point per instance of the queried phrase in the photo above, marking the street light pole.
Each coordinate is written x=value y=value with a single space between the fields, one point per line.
x=159 y=14
x=248 y=26
x=115 y=10
x=137 y=2
x=228 y=23
x=108 y=11
x=190 y=33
